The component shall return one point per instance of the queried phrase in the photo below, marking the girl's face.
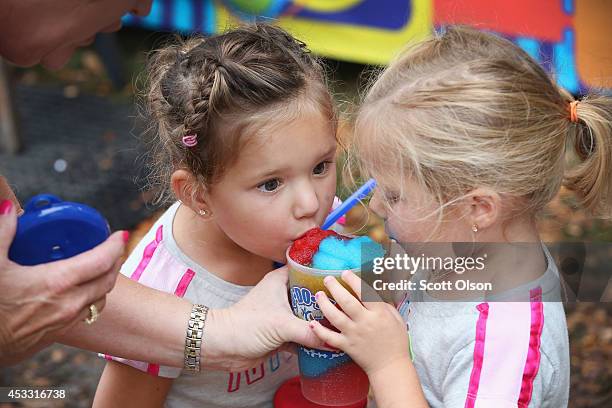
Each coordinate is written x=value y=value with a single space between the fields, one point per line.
x=415 y=217
x=282 y=184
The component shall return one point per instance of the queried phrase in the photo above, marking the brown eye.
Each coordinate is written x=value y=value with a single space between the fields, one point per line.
x=321 y=168
x=269 y=186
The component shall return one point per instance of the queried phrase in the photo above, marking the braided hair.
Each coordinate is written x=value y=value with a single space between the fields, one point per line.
x=215 y=88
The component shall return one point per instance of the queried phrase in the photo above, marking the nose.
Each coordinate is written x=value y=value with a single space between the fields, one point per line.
x=377 y=204
x=306 y=201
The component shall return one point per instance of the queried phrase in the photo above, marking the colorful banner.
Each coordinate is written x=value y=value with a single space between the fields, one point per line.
x=570 y=38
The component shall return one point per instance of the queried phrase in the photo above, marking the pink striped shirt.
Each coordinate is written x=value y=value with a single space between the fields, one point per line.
x=159 y=263
x=492 y=354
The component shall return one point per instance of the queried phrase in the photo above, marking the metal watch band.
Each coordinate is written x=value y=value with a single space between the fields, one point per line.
x=193 y=339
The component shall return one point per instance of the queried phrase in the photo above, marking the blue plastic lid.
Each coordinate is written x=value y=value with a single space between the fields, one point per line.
x=51 y=229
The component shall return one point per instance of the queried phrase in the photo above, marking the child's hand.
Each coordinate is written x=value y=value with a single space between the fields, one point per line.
x=372 y=333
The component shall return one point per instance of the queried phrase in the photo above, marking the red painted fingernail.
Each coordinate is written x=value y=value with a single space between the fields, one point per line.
x=6 y=207
x=311 y=325
x=126 y=236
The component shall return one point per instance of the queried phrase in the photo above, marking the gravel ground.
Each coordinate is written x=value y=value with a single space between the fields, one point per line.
x=81 y=148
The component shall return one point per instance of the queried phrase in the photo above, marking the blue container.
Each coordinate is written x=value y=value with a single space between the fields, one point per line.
x=51 y=229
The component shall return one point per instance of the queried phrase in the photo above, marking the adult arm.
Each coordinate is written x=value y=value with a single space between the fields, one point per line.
x=47 y=303
x=144 y=324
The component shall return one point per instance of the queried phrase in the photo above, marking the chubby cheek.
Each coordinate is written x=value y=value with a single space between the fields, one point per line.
x=261 y=234
x=402 y=232
x=326 y=203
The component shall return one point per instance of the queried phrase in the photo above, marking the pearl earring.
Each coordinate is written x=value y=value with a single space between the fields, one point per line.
x=474 y=228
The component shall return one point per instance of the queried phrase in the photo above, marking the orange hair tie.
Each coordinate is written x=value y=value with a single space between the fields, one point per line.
x=573 y=112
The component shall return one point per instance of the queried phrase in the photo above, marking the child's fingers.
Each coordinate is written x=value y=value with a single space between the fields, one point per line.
x=353 y=281
x=335 y=316
x=370 y=298
x=363 y=291
x=347 y=302
x=326 y=335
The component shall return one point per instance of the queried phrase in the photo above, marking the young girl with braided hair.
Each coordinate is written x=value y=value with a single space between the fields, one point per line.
x=244 y=142
x=468 y=138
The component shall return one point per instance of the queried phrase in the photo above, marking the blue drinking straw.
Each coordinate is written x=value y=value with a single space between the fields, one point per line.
x=349 y=203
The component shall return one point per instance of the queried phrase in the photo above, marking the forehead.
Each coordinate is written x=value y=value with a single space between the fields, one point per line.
x=296 y=141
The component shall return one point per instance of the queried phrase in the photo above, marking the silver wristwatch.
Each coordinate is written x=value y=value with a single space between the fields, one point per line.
x=193 y=339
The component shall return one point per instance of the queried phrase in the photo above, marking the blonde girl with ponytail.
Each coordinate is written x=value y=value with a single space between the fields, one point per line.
x=469 y=139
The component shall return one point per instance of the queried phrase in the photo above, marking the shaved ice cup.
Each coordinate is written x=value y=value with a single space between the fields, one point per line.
x=327 y=378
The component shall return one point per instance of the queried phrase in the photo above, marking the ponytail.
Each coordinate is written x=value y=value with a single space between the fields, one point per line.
x=591 y=134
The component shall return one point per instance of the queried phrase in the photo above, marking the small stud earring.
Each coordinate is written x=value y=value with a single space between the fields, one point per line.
x=474 y=228
x=202 y=212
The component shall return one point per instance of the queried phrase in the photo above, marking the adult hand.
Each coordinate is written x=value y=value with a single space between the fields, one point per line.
x=236 y=338
x=7 y=194
x=44 y=300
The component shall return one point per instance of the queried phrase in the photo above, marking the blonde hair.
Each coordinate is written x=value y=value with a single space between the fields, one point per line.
x=224 y=89
x=468 y=109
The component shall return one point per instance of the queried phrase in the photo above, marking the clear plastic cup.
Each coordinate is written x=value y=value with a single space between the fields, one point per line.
x=327 y=378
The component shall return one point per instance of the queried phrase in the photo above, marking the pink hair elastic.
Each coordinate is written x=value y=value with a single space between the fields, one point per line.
x=190 y=140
